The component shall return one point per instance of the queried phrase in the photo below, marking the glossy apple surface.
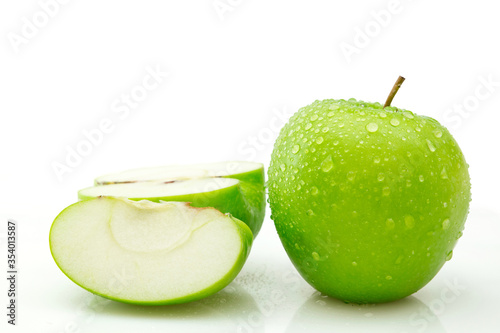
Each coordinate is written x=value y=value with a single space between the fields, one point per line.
x=368 y=202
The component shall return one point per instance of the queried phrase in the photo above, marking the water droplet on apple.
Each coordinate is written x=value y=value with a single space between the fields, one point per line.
x=390 y=224
x=315 y=256
x=376 y=160
x=331 y=114
x=334 y=106
x=438 y=133
x=336 y=142
x=314 y=117
x=314 y=190
x=295 y=149
x=460 y=234
x=394 y=122
x=308 y=126
x=282 y=167
x=297 y=246
x=449 y=255
x=351 y=175
x=386 y=191
x=354 y=263
x=421 y=178
x=382 y=115
x=388 y=277
x=446 y=224
x=408 y=183
x=327 y=164
x=325 y=129
x=319 y=140
x=431 y=146
x=380 y=176
x=408 y=114
x=309 y=212
x=409 y=221
x=372 y=127
x=444 y=174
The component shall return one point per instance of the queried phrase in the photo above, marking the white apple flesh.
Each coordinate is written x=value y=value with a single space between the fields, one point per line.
x=148 y=253
x=155 y=191
x=181 y=172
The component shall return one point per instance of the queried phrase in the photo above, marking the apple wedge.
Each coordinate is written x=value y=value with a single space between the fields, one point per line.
x=231 y=187
x=148 y=253
x=245 y=171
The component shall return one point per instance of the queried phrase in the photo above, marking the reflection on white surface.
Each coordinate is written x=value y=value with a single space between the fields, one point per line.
x=324 y=314
x=226 y=311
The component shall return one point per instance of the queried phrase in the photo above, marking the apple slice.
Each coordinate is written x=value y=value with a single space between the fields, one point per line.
x=248 y=171
x=231 y=187
x=149 y=253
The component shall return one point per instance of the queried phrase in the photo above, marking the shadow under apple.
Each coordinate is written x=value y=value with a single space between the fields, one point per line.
x=321 y=313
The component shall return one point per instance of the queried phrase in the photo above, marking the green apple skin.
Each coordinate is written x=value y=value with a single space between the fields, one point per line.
x=245 y=201
x=368 y=202
x=246 y=238
x=253 y=190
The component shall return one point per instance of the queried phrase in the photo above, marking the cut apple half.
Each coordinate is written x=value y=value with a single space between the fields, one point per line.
x=148 y=253
x=231 y=187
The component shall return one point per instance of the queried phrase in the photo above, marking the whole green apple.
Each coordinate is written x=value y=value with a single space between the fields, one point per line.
x=368 y=201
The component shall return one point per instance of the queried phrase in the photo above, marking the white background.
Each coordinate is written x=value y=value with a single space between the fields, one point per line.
x=235 y=74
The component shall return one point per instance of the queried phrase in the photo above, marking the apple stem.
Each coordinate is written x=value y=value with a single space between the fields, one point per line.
x=394 y=91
